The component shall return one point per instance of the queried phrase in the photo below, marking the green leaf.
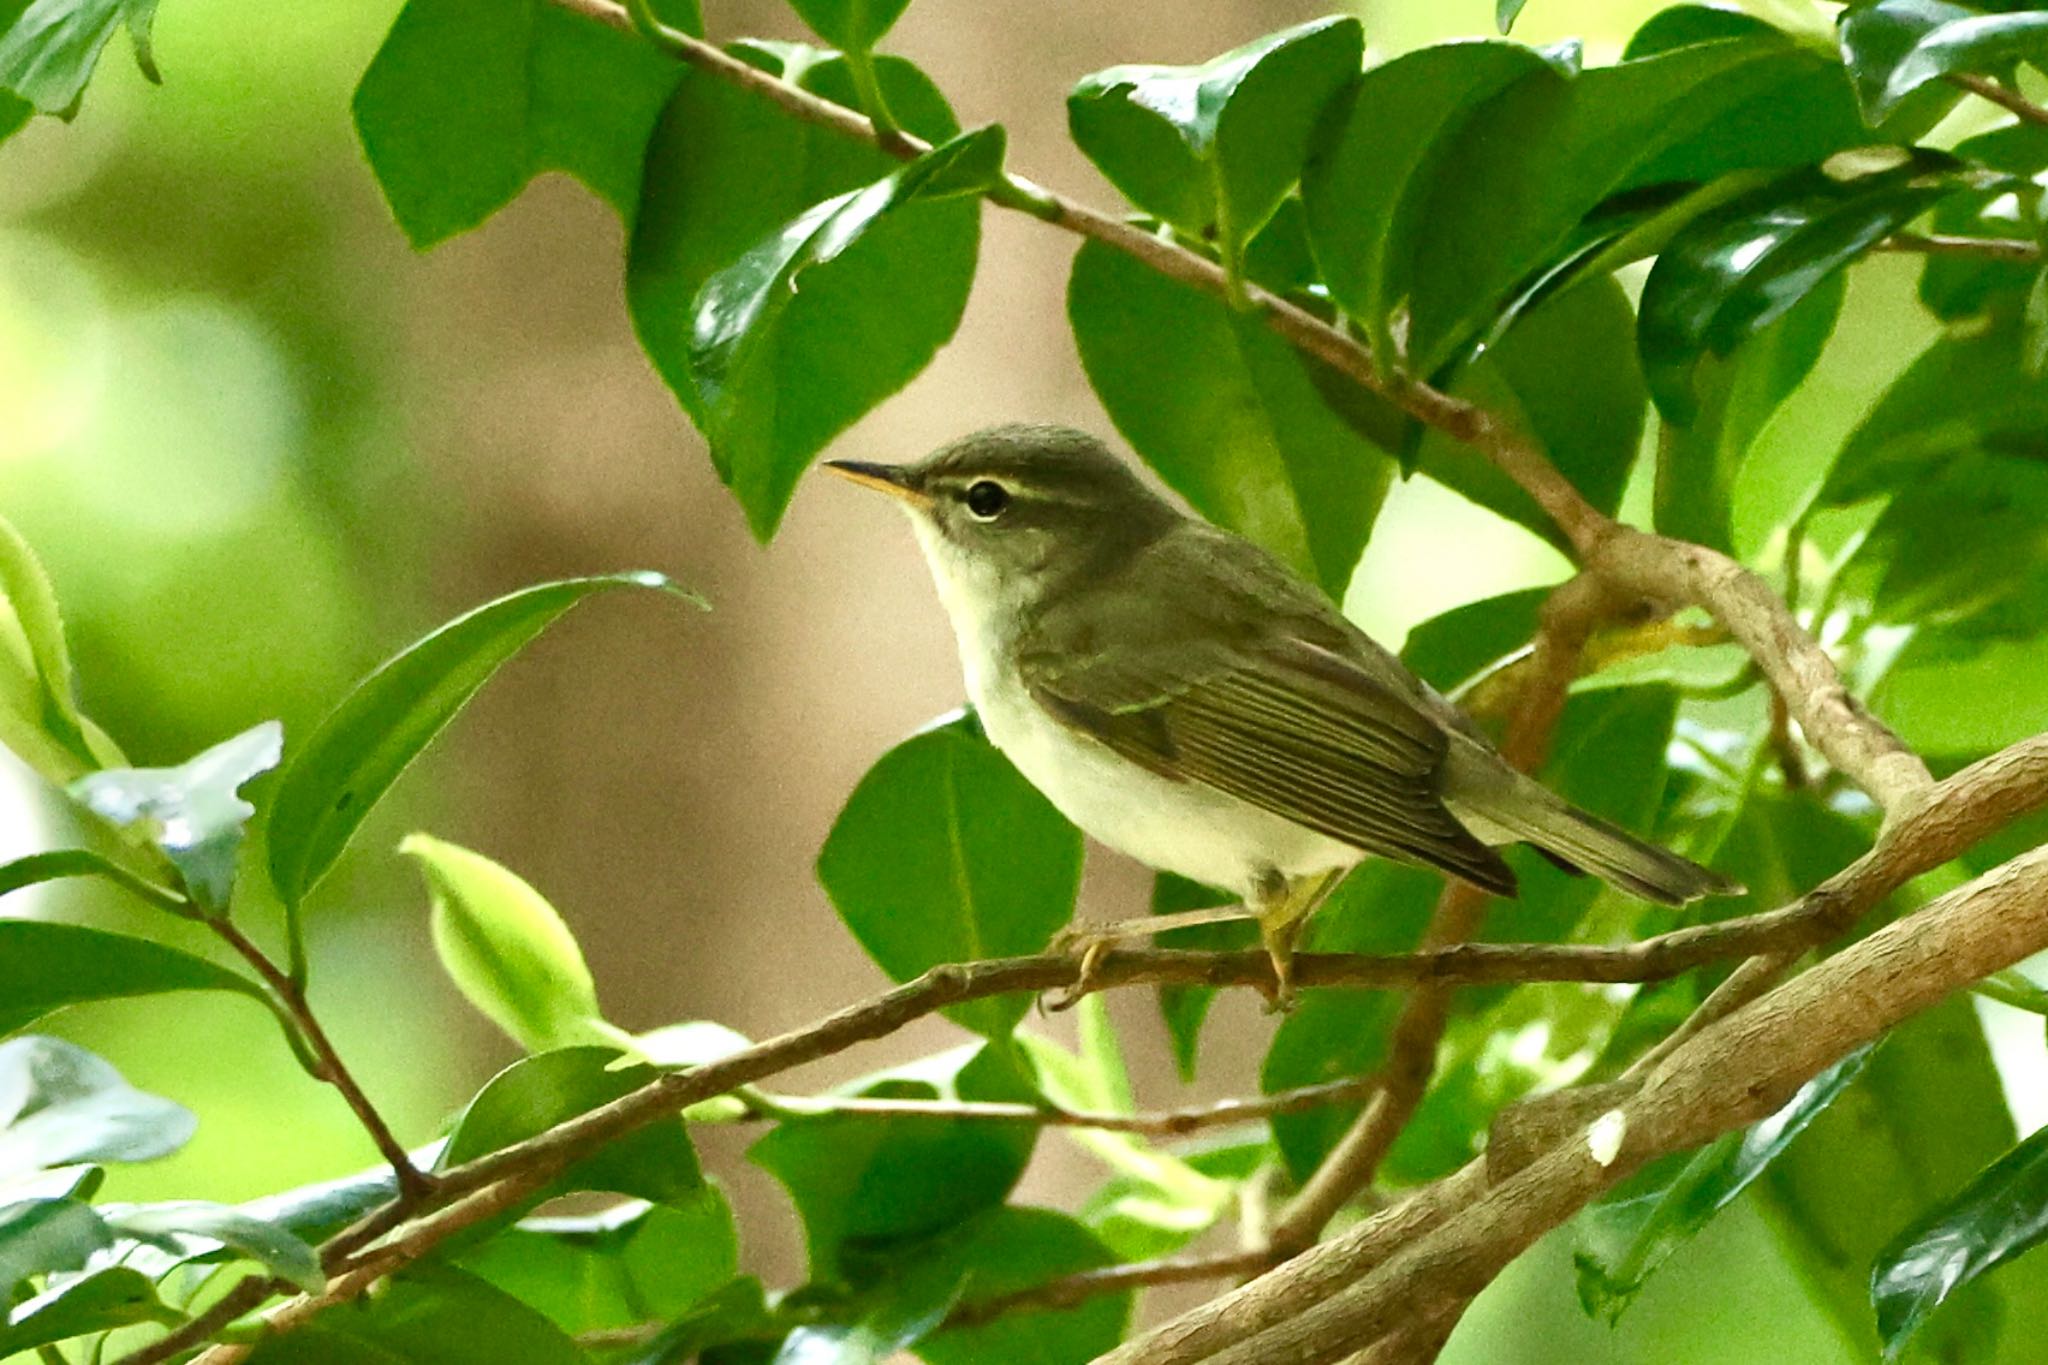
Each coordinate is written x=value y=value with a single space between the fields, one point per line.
x=1505 y=12
x=39 y=716
x=113 y=1297
x=655 y=1162
x=618 y=1268
x=46 y=967
x=315 y=1212
x=872 y=1189
x=1214 y=148
x=726 y=174
x=1566 y=376
x=855 y=25
x=1991 y=580
x=2001 y=1214
x=1366 y=185
x=1010 y=1249
x=506 y=948
x=1732 y=400
x=429 y=1315
x=78 y=862
x=944 y=853
x=278 y=1250
x=41 y=1236
x=901 y=1320
x=61 y=1105
x=1960 y=286
x=1875 y=38
x=1744 y=266
x=468 y=100
x=1624 y=1239
x=50 y=52
x=1185 y=1007
x=1509 y=190
x=1227 y=414
x=380 y=727
x=1969 y=391
x=191 y=811
x=1684 y=25
x=1967 y=43
x=1451 y=650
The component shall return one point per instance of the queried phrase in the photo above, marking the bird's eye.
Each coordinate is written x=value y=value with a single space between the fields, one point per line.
x=986 y=499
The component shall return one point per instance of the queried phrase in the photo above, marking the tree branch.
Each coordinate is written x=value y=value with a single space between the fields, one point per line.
x=2012 y=101
x=2017 y=250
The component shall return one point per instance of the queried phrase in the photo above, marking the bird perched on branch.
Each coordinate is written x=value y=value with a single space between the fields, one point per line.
x=1186 y=699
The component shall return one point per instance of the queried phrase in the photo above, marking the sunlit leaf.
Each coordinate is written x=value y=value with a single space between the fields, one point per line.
x=342 y=772
x=727 y=171
x=39 y=716
x=944 y=853
x=44 y=967
x=1876 y=37
x=192 y=812
x=506 y=948
x=50 y=52
x=468 y=100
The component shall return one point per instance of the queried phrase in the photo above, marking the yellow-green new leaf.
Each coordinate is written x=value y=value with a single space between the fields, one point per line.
x=506 y=949
x=39 y=717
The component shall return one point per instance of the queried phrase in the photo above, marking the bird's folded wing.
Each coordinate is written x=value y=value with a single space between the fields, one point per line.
x=1289 y=727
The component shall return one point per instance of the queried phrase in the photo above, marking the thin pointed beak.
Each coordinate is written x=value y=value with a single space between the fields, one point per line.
x=892 y=479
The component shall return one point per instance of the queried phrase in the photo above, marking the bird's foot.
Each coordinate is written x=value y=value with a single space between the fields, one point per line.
x=1088 y=944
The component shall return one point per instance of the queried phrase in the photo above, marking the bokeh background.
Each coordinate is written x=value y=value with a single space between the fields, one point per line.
x=261 y=445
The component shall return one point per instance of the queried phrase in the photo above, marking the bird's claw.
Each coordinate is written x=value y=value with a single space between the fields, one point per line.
x=1088 y=945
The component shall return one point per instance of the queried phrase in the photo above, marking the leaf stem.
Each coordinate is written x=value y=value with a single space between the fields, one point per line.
x=2010 y=100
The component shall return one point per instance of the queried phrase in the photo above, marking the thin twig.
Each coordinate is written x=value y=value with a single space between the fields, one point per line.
x=2017 y=250
x=2012 y=101
x=413 y=1184
x=1069 y=1290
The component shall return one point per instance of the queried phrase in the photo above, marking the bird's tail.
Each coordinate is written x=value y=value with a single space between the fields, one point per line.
x=1500 y=805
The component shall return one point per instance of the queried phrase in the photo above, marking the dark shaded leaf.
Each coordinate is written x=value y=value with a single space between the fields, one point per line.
x=1732 y=400
x=1965 y=43
x=45 y=967
x=1010 y=1249
x=1960 y=286
x=871 y=1189
x=899 y=1321
x=114 y=1297
x=2001 y=1214
x=944 y=853
x=430 y=1315
x=655 y=1163
x=1744 y=266
x=506 y=948
x=1227 y=414
x=171 y=1225
x=380 y=727
x=1213 y=149
x=1465 y=642
x=191 y=811
x=1624 y=1239
x=468 y=100
x=1687 y=24
x=1990 y=580
x=727 y=170
x=50 y=52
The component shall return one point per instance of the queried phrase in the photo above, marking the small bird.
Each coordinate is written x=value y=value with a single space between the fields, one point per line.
x=1186 y=699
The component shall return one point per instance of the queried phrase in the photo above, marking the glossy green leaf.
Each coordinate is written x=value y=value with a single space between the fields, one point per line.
x=1565 y=375
x=1009 y=1249
x=619 y=1268
x=41 y=1236
x=1862 y=1173
x=192 y=812
x=315 y=1212
x=1960 y=286
x=278 y=1250
x=104 y=1299
x=1733 y=399
x=1451 y=650
x=61 y=1105
x=1366 y=183
x=1965 y=43
x=37 y=868
x=1509 y=190
x=1213 y=149
x=854 y=25
x=735 y=1317
x=898 y=1322
x=506 y=948
x=1741 y=268
x=727 y=172
x=468 y=100
x=381 y=726
x=1684 y=25
x=39 y=716
x=2001 y=1214
x=1227 y=414
x=871 y=1189
x=737 y=349
x=430 y=1315
x=656 y=1162
x=1625 y=1238
x=944 y=853
x=45 y=967
x=1969 y=391
x=1876 y=37
x=50 y=52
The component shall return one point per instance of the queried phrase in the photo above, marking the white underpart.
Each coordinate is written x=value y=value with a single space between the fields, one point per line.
x=1181 y=827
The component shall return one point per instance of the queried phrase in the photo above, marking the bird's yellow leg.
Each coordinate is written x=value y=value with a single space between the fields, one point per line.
x=1280 y=921
x=1092 y=942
